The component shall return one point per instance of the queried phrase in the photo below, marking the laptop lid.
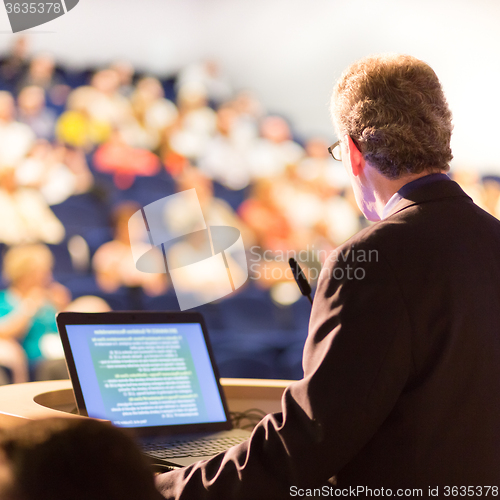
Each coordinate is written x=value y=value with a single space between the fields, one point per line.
x=152 y=372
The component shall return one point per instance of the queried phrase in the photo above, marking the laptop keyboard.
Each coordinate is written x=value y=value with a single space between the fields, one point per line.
x=191 y=448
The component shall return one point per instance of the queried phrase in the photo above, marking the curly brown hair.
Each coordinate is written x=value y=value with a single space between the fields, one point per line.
x=394 y=108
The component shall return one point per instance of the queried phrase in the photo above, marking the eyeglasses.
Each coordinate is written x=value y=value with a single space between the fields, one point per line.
x=335 y=151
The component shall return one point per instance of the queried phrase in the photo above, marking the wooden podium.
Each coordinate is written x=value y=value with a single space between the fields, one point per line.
x=35 y=400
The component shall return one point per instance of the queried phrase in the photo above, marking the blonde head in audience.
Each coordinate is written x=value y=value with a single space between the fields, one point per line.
x=31 y=100
x=26 y=264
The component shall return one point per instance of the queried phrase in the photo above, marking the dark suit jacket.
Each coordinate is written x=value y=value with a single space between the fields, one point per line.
x=402 y=366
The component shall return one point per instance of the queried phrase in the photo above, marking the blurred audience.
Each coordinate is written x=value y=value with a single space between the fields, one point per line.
x=209 y=75
x=197 y=121
x=80 y=151
x=42 y=73
x=124 y=162
x=58 y=172
x=94 y=111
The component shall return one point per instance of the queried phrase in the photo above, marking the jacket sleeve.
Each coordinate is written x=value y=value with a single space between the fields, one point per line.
x=357 y=359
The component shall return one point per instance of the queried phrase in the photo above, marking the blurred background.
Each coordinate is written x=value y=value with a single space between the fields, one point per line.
x=118 y=104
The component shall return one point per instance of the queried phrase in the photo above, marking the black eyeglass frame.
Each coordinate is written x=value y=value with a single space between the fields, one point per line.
x=333 y=146
x=331 y=149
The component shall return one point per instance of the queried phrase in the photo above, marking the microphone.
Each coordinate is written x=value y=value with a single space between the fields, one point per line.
x=301 y=280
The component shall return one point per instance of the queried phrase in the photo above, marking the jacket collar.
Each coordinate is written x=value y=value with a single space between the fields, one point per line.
x=437 y=189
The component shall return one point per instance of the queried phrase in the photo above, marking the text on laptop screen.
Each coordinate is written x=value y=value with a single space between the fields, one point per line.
x=146 y=375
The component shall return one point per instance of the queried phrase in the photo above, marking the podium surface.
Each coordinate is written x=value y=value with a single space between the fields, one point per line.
x=36 y=400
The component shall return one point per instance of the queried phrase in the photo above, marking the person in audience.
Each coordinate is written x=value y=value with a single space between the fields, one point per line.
x=94 y=111
x=88 y=303
x=125 y=71
x=72 y=459
x=274 y=150
x=113 y=262
x=154 y=113
x=58 y=172
x=13 y=66
x=105 y=104
x=225 y=157
x=247 y=104
x=123 y=161
x=209 y=75
x=319 y=167
x=262 y=214
x=34 y=113
x=29 y=305
x=76 y=127
x=26 y=216
x=16 y=138
x=197 y=122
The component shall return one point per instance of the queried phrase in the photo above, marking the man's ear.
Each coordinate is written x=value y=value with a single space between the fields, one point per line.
x=355 y=157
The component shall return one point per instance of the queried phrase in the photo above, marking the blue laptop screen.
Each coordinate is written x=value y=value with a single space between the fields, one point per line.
x=146 y=375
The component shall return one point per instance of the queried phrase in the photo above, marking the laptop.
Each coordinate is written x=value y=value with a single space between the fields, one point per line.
x=152 y=373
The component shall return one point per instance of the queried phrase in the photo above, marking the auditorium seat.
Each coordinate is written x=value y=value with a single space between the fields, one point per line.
x=233 y=197
x=63 y=266
x=146 y=190
x=81 y=212
x=165 y=302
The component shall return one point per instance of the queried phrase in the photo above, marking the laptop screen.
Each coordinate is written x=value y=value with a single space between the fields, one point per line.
x=146 y=375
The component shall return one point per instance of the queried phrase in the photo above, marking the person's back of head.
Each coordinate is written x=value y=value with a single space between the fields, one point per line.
x=72 y=459
x=394 y=109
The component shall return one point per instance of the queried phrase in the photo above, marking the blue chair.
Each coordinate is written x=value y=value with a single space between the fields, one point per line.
x=234 y=197
x=165 y=302
x=251 y=315
x=96 y=236
x=63 y=266
x=146 y=190
x=81 y=212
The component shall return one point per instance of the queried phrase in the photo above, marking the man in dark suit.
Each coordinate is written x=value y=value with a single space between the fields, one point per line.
x=401 y=387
